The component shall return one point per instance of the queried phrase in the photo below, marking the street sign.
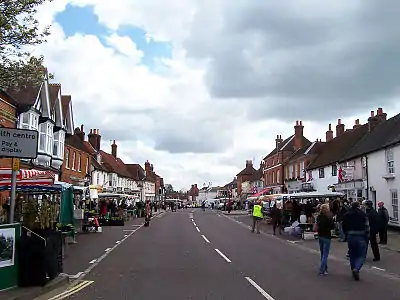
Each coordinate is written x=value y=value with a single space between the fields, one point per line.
x=20 y=143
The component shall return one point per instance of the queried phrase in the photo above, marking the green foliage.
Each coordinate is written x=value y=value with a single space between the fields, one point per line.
x=18 y=30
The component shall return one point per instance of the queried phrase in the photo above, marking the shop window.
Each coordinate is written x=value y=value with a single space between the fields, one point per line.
x=395 y=204
x=321 y=173
x=334 y=170
x=67 y=158
x=390 y=161
x=278 y=174
x=87 y=165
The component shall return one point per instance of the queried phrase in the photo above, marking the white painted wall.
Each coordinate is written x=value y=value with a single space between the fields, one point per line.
x=206 y=195
x=321 y=184
x=377 y=168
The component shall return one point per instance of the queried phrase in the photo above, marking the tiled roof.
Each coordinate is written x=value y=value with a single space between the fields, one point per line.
x=76 y=142
x=25 y=96
x=258 y=175
x=249 y=170
x=9 y=98
x=89 y=148
x=54 y=89
x=384 y=135
x=65 y=100
x=315 y=148
x=116 y=165
x=337 y=148
x=287 y=145
x=136 y=171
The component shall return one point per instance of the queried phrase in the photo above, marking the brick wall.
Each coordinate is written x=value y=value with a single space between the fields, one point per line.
x=70 y=173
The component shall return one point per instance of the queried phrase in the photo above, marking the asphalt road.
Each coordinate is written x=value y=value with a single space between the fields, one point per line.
x=213 y=257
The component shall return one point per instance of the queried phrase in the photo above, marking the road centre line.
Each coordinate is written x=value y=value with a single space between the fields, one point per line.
x=197 y=228
x=108 y=249
x=74 y=289
x=262 y=292
x=93 y=261
x=194 y=224
x=376 y=268
x=223 y=255
x=117 y=242
x=205 y=238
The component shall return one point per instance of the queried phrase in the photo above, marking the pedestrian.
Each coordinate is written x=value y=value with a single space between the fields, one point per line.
x=356 y=227
x=384 y=223
x=374 y=224
x=257 y=216
x=147 y=213
x=276 y=216
x=324 y=228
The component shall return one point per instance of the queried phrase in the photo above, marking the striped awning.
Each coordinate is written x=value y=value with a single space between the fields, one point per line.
x=27 y=174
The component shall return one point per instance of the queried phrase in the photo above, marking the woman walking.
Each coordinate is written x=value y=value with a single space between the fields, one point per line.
x=325 y=225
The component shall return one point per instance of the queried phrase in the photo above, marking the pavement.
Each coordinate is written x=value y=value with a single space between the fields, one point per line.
x=191 y=254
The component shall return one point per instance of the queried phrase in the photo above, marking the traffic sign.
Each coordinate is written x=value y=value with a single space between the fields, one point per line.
x=15 y=164
x=20 y=143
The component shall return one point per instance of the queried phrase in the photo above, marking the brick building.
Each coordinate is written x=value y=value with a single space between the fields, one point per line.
x=76 y=165
x=245 y=175
x=274 y=161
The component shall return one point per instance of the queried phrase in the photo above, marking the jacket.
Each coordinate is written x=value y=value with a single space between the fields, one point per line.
x=355 y=221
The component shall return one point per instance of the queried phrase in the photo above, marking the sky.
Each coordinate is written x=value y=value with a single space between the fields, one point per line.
x=197 y=87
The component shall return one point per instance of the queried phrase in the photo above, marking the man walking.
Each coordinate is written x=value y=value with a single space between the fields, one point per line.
x=356 y=226
x=257 y=216
x=374 y=224
x=384 y=223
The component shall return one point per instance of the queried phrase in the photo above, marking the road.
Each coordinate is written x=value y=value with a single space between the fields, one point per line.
x=204 y=255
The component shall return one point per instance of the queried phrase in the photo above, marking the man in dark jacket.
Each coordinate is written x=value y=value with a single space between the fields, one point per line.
x=356 y=226
x=384 y=223
x=374 y=226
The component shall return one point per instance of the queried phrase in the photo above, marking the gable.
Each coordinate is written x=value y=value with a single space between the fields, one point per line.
x=55 y=104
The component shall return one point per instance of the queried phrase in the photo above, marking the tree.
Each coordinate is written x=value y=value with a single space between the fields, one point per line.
x=169 y=188
x=18 y=30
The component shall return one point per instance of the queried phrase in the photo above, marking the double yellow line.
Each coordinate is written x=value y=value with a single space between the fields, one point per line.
x=72 y=290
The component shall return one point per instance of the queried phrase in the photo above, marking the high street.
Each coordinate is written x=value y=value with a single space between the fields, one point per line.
x=205 y=255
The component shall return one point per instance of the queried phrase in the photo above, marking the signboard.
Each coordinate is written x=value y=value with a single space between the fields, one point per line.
x=15 y=164
x=9 y=235
x=20 y=143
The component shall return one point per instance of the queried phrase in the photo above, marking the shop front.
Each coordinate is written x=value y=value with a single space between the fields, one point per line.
x=352 y=189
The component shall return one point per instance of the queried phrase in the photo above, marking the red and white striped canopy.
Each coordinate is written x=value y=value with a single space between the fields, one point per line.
x=27 y=177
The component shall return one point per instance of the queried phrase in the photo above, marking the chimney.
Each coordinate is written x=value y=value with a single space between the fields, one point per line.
x=329 y=134
x=249 y=163
x=278 y=140
x=374 y=121
x=94 y=139
x=339 y=128
x=298 y=135
x=151 y=168
x=79 y=133
x=356 y=124
x=114 y=149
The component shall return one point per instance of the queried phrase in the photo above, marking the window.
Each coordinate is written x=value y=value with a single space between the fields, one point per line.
x=278 y=174
x=290 y=171
x=79 y=163
x=395 y=204
x=302 y=169
x=49 y=138
x=334 y=170
x=46 y=138
x=87 y=165
x=287 y=173
x=29 y=120
x=73 y=160
x=273 y=177
x=109 y=179
x=321 y=172
x=61 y=141
x=42 y=137
x=98 y=178
x=390 y=161
x=104 y=179
x=296 y=170
x=67 y=158
x=56 y=145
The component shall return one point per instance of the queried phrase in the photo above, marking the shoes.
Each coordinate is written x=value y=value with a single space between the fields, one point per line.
x=356 y=275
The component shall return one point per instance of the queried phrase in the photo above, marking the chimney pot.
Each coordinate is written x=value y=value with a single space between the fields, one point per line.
x=339 y=121
x=280 y=136
x=91 y=131
x=372 y=113
x=301 y=123
x=358 y=122
x=379 y=111
x=330 y=127
x=277 y=137
x=82 y=127
x=297 y=123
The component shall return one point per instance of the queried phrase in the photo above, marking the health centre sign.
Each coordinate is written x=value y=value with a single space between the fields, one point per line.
x=19 y=143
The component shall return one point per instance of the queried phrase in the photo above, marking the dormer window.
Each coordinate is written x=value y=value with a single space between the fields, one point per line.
x=46 y=138
x=29 y=120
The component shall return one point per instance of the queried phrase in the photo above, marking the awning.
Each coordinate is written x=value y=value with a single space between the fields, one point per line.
x=5 y=173
x=260 y=193
x=29 y=182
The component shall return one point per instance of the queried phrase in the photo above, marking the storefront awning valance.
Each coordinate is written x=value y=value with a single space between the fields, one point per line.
x=5 y=173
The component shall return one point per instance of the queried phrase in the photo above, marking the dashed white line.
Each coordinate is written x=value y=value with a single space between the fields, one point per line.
x=192 y=220
x=108 y=249
x=93 y=261
x=194 y=224
x=223 y=255
x=197 y=228
x=205 y=238
x=117 y=242
x=376 y=268
x=76 y=276
x=262 y=292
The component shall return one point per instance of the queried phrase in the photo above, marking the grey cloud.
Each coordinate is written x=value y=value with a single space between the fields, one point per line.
x=290 y=63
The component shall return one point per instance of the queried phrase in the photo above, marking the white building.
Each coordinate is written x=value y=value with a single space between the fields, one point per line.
x=207 y=193
x=375 y=159
x=50 y=113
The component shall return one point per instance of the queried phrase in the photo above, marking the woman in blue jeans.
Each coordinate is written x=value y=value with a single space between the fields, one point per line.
x=325 y=225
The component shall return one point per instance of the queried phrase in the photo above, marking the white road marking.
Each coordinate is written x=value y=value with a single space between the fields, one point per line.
x=136 y=226
x=376 y=268
x=129 y=230
x=76 y=276
x=293 y=242
x=197 y=228
x=194 y=224
x=205 y=238
x=93 y=261
x=192 y=220
x=108 y=249
x=125 y=235
x=223 y=255
x=117 y=242
x=262 y=292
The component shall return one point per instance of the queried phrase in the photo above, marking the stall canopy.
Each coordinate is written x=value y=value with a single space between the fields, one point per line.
x=27 y=178
x=260 y=193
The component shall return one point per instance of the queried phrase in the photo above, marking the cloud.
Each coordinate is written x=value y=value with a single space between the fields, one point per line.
x=239 y=74
x=293 y=57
